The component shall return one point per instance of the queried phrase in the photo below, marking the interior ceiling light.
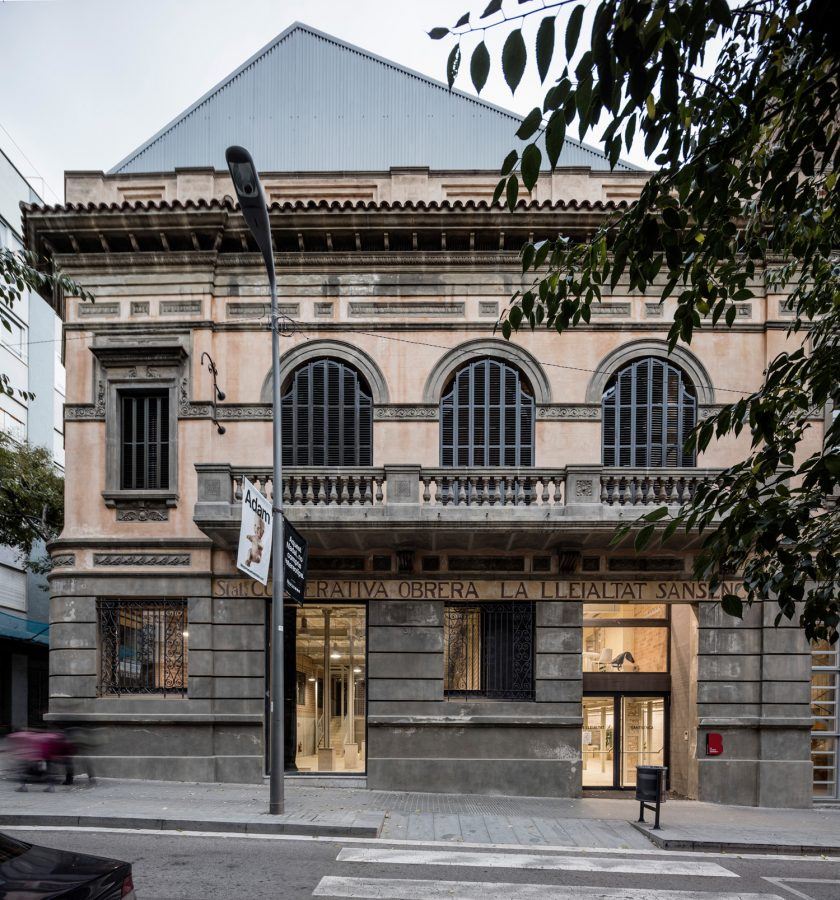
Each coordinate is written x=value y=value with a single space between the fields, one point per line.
x=335 y=654
x=357 y=670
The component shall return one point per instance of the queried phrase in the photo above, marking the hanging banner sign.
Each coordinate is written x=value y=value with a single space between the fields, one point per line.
x=295 y=554
x=254 y=553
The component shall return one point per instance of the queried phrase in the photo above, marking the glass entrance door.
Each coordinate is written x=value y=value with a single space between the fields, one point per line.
x=642 y=735
x=598 y=743
x=331 y=681
x=621 y=732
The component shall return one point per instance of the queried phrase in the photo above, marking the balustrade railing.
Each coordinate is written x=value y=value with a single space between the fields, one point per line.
x=439 y=488
x=319 y=487
x=491 y=487
x=660 y=487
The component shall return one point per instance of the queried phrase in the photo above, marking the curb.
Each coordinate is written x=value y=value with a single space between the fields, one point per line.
x=305 y=827
x=663 y=842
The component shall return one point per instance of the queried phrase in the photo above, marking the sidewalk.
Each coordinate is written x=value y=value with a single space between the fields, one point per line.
x=353 y=812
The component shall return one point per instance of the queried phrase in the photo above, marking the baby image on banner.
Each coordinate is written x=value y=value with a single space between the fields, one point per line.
x=254 y=553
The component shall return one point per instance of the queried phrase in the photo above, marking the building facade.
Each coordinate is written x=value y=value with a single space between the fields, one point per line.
x=30 y=355
x=468 y=625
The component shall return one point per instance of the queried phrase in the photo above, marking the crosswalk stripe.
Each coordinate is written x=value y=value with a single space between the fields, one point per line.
x=533 y=861
x=408 y=889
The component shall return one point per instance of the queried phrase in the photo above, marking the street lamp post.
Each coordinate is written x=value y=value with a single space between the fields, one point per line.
x=251 y=198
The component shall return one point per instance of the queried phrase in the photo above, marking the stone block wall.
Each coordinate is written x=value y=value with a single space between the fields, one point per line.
x=418 y=739
x=213 y=734
x=753 y=689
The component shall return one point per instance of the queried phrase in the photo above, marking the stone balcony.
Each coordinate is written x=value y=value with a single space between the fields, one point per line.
x=435 y=508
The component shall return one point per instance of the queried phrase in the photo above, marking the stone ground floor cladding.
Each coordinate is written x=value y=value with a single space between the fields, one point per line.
x=747 y=681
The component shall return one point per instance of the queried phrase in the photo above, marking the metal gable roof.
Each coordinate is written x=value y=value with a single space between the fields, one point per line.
x=308 y=102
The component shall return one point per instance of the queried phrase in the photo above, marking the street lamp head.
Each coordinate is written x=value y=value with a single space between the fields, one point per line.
x=249 y=193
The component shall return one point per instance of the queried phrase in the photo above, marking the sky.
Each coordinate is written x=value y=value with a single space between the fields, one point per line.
x=84 y=82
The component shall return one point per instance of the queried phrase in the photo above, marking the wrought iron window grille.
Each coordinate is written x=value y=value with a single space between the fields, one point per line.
x=489 y=650
x=143 y=647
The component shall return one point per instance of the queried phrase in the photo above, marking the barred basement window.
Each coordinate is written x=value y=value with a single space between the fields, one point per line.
x=489 y=650
x=143 y=647
x=648 y=411
x=327 y=417
x=487 y=417
x=144 y=440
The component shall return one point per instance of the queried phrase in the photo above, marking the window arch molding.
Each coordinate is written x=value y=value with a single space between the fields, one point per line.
x=491 y=348
x=327 y=349
x=629 y=353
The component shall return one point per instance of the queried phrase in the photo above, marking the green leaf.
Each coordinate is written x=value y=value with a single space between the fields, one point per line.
x=464 y=20
x=480 y=66
x=514 y=57
x=732 y=605
x=492 y=7
x=643 y=537
x=545 y=46
x=573 y=30
x=555 y=136
x=530 y=124
x=453 y=64
x=500 y=187
x=657 y=514
x=510 y=161
x=531 y=162
x=730 y=315
x=437 y=33
x=512 y=192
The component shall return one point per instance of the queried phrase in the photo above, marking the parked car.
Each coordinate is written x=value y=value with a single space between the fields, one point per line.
x=40 y=873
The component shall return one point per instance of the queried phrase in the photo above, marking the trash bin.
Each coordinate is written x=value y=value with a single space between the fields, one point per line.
x=650 y=789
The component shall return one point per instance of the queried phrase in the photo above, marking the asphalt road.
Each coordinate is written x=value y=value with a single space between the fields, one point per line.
x=203 y=867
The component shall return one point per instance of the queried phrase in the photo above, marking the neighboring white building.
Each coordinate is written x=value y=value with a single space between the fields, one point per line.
x=30 y=354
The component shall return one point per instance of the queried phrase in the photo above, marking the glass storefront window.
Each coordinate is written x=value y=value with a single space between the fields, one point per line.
x=625 y=611
x=625 y=637
x=331 y=688
x=625 y=649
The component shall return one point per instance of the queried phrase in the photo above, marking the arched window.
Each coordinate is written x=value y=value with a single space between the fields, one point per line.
x=327 y=416
x=487 y=417
x=648 y=410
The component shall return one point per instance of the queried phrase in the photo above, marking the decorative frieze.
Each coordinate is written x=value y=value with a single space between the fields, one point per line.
x=426 y=413
x=323 y=310
x=260 y=310
x=654 y=310
x=180 y=307
x=139 y=307
x=141 y=559
x=610 y=308
x=386 y=308
x=63 y=560
x=568 y=411
x=137 y=513
x=488 y=308
x=91 y=310
x=79 y=412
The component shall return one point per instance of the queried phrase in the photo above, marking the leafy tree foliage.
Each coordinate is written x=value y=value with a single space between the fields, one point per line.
x=18 y=272
x=31 y=495
x=744 y=197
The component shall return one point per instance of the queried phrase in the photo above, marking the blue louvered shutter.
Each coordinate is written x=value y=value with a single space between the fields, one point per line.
x=487 y=417
x=647 y=412
x=327 y=417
